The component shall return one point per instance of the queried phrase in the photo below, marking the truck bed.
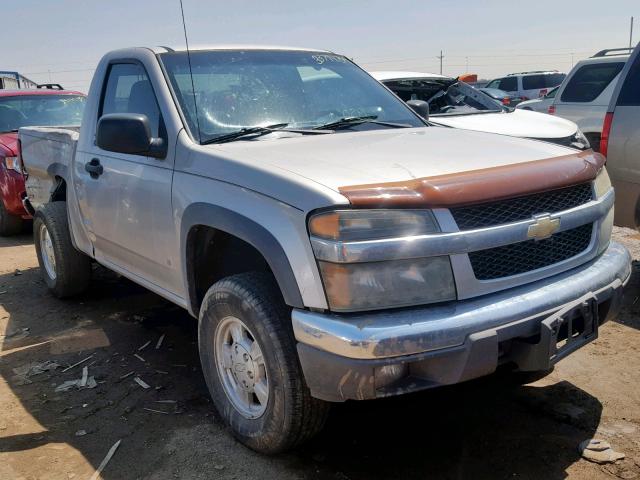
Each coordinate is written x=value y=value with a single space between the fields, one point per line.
x=47 y=153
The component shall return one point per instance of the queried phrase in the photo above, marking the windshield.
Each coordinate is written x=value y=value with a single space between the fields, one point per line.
x=40 y=110
x=235 y=90
x=445 y=96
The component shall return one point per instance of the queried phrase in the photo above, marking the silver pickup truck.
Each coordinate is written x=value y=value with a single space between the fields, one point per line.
x=332 y=244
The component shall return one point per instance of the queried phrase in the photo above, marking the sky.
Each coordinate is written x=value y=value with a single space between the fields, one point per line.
x=62 y=40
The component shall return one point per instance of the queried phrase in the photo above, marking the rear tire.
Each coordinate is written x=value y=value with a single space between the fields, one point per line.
x=281 y=414
x=66 y=271
x=9 y=224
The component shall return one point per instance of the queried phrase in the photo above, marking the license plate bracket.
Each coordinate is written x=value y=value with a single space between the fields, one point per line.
x=571 y=328
x=561 y=334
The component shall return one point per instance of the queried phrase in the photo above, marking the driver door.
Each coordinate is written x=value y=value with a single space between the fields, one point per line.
x=127 y=207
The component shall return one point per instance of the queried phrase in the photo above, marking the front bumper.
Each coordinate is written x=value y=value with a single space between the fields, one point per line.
x=375 y=354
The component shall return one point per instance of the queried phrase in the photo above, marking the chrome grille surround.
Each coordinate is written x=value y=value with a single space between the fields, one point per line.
x=521 y=257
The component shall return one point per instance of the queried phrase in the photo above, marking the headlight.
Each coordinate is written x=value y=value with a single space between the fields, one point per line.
x=396 y=283
x=580 y=141
x=354 y=225
x=381 y=284
x=12 y=163
x=602 y=183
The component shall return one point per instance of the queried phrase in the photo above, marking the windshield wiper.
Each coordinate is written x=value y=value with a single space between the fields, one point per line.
x=347 y=122
x=258 y=131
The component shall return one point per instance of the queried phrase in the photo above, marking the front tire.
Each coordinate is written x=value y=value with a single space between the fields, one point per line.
x=9 y=224
x=66 y=271
x=251 y=367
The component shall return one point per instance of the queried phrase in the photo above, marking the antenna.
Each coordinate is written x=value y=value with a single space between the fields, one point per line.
x=193 y=88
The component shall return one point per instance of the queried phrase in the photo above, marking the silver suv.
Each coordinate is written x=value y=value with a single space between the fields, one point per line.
x=621 y=142
x=585 y=94
x=528 y=85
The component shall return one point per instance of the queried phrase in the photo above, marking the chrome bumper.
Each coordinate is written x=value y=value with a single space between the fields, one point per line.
x=395 y=333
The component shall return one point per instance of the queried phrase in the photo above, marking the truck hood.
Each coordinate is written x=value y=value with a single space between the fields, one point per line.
x=389 y=155
x=518 y=123
x=9 y=142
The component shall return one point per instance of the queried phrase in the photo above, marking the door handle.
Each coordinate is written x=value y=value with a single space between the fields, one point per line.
x=94 y=168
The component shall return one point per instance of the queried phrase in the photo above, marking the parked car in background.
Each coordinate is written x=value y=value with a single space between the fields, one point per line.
x=21 y=108
x=501 y=96
x=620 y=142
x=585 y=94
x=333 y=245
x=541 y=104
x=455 y=104
x=528 y=85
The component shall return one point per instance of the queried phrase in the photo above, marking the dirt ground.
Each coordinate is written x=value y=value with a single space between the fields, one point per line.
x=483 y=429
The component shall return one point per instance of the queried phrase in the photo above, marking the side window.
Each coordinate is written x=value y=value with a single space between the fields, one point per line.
x=545 y=80
x=533 y=82
x=630 y=91
x=589 y=81
x=552 y=93
x=128 y=90
x=509 y=84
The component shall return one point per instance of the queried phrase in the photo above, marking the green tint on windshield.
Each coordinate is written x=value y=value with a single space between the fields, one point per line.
x=242 y=89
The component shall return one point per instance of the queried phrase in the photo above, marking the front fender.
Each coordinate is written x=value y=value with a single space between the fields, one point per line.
x=247 y=230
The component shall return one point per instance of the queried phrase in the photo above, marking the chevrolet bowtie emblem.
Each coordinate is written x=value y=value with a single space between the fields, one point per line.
x=544 y=227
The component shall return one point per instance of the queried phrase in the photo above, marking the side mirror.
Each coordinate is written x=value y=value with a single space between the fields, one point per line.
x=420 y=107
x=128 y=133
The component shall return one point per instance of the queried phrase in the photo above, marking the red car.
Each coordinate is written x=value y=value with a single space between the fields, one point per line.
x=21 y=108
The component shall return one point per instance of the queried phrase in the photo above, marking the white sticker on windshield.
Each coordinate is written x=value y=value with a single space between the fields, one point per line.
x=320 y=59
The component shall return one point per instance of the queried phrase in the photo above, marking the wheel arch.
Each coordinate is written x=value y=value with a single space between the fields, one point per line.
x=200 y=215
x=58 y=189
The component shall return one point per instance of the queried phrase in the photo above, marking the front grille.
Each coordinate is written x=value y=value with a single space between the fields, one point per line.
x=521 y=208
x=530 y=255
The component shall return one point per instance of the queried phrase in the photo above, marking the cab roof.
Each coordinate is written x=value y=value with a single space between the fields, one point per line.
x=195 y=48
